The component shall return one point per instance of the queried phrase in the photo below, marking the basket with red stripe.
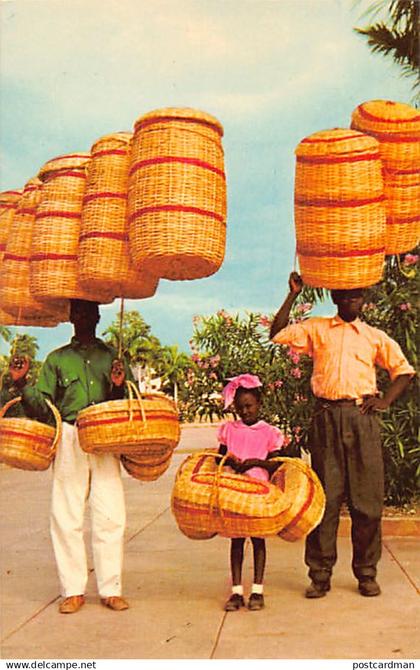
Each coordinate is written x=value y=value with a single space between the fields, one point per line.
x=105 y=261
x=207 y=500
x=26 y=444
x=177 y=194
x=396 y=126
x=55 y=241
x=339 y=209
x=138 y=426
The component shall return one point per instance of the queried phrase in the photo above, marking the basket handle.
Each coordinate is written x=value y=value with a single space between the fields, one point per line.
x=55 y=413
x=133 y=391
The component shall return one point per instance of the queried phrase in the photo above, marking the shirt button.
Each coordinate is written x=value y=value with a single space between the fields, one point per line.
x=91 y=382
x=87 y=361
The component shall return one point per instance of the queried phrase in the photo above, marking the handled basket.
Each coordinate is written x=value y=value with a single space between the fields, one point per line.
x=177 y=194
x=396 y=126
x=339 y=209
x=147 y=469
x=133 y=426
x=28 y=444
x=105 y=261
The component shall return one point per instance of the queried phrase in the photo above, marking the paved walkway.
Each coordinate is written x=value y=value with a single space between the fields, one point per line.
x=176 y=588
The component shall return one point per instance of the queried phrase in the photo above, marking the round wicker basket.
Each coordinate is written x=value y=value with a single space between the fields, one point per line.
x=396 y=126
x=15 y=294
x=177 y=194
x=105 y=261
x=55 y=242
x=339 y=209
x=8 y=204
x=136 y=426
x=26 y=444
x=147 y=469
x=207 y=500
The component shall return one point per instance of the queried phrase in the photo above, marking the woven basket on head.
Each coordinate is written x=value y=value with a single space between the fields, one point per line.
x=339 y=209
x=136 y=426
x=177 y=194
x=55 y=242
x=28 y=444
x=105 y=261
x=15 y=295
x=207 y=500
x=396 y=126
x=8 y=204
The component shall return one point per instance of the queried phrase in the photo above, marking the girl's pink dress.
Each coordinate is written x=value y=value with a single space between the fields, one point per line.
x=254 y=441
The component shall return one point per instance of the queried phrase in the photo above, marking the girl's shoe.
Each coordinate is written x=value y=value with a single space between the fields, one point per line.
x=234 y=603
x=256 y=601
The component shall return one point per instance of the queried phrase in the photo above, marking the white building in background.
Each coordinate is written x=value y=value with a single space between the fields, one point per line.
x=146 y=379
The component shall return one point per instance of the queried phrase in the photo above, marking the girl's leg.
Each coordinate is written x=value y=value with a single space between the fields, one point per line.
x=236 y=600
x=256 y=600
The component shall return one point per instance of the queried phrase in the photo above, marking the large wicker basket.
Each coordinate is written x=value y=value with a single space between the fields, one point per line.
x=207 y=500
x=135 y=426
x=396 y=126
x=339 y=209
x=105 y=261
x=177 y=194
x=15 y=295
x=28 y=444
x=148 y=468
x=55 y=242
x=8 y=203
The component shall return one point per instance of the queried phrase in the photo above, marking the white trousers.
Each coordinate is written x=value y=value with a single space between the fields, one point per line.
x=79 y=476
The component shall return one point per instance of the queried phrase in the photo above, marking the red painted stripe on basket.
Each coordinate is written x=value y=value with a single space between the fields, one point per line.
x=398 y=139
x=181 y=506
x=303 y=509
x=60 y=158
x=232 y=484
x=392 y=171
x=58 y=213
x=176 y=159
x=86 y=423
x=8 y=205
x=68 y=173
x=110 y=152
x=340 y=254
x=54 y=257
x=320 y=140
x=330 y=160
x=26 y=210
x=103 y=234
x=31 y=437
x=394 y=220
x=14 y=257
x=103 y=194
x=325 y=202
x=4 y=194
x=172 y=119
x=3 y=246
x=175 y=208
x=374 y=117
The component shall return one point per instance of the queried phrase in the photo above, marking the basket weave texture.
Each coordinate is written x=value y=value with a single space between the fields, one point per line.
x=207 y=501
x=177 y=194
x=8 y=204
x=396 y=126
x=15 y=294
x=55 y=242
x=105 y=261
x=339 y=209
x=26 y=444
x=137 y=427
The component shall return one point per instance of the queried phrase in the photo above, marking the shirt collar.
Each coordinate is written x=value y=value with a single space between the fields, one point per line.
x=76 y=344
x=338 y=321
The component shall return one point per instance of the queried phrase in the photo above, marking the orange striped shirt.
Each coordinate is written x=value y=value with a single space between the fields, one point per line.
x=344 y=355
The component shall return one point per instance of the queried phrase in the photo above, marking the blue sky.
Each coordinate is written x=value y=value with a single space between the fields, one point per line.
x=272 y=71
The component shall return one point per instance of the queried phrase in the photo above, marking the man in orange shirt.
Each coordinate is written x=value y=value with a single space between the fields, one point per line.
x=344 y=438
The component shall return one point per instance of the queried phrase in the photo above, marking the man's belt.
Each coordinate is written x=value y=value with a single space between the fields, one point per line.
x=343 y=402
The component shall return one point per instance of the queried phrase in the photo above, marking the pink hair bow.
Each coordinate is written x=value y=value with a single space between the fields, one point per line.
x=247 y=381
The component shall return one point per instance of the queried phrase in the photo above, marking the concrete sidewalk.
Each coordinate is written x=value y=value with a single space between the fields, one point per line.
x=177 y=587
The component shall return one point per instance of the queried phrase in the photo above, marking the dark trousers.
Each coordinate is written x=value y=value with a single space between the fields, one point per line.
x=346 y=454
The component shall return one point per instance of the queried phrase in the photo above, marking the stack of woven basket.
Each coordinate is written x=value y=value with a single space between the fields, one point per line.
x=206 y=500
x=356 y=196
x=111 y=222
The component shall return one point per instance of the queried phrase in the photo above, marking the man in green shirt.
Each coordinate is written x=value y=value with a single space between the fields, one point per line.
x=82 y=373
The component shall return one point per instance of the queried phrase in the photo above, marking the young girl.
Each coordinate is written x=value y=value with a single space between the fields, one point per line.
x=251 y=442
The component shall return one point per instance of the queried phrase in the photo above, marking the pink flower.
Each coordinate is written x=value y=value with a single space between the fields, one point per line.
x=294 y=356
x=286 y=440
x=214 y=361
x=405 y=306
x=265 y=322
x=213 y=375
x=278 y=383
x=304 y=307
x=296 y=372
x=410 y=259
x=196 y=358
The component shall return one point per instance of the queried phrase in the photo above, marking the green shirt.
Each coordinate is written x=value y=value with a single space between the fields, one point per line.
x=73 y=377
